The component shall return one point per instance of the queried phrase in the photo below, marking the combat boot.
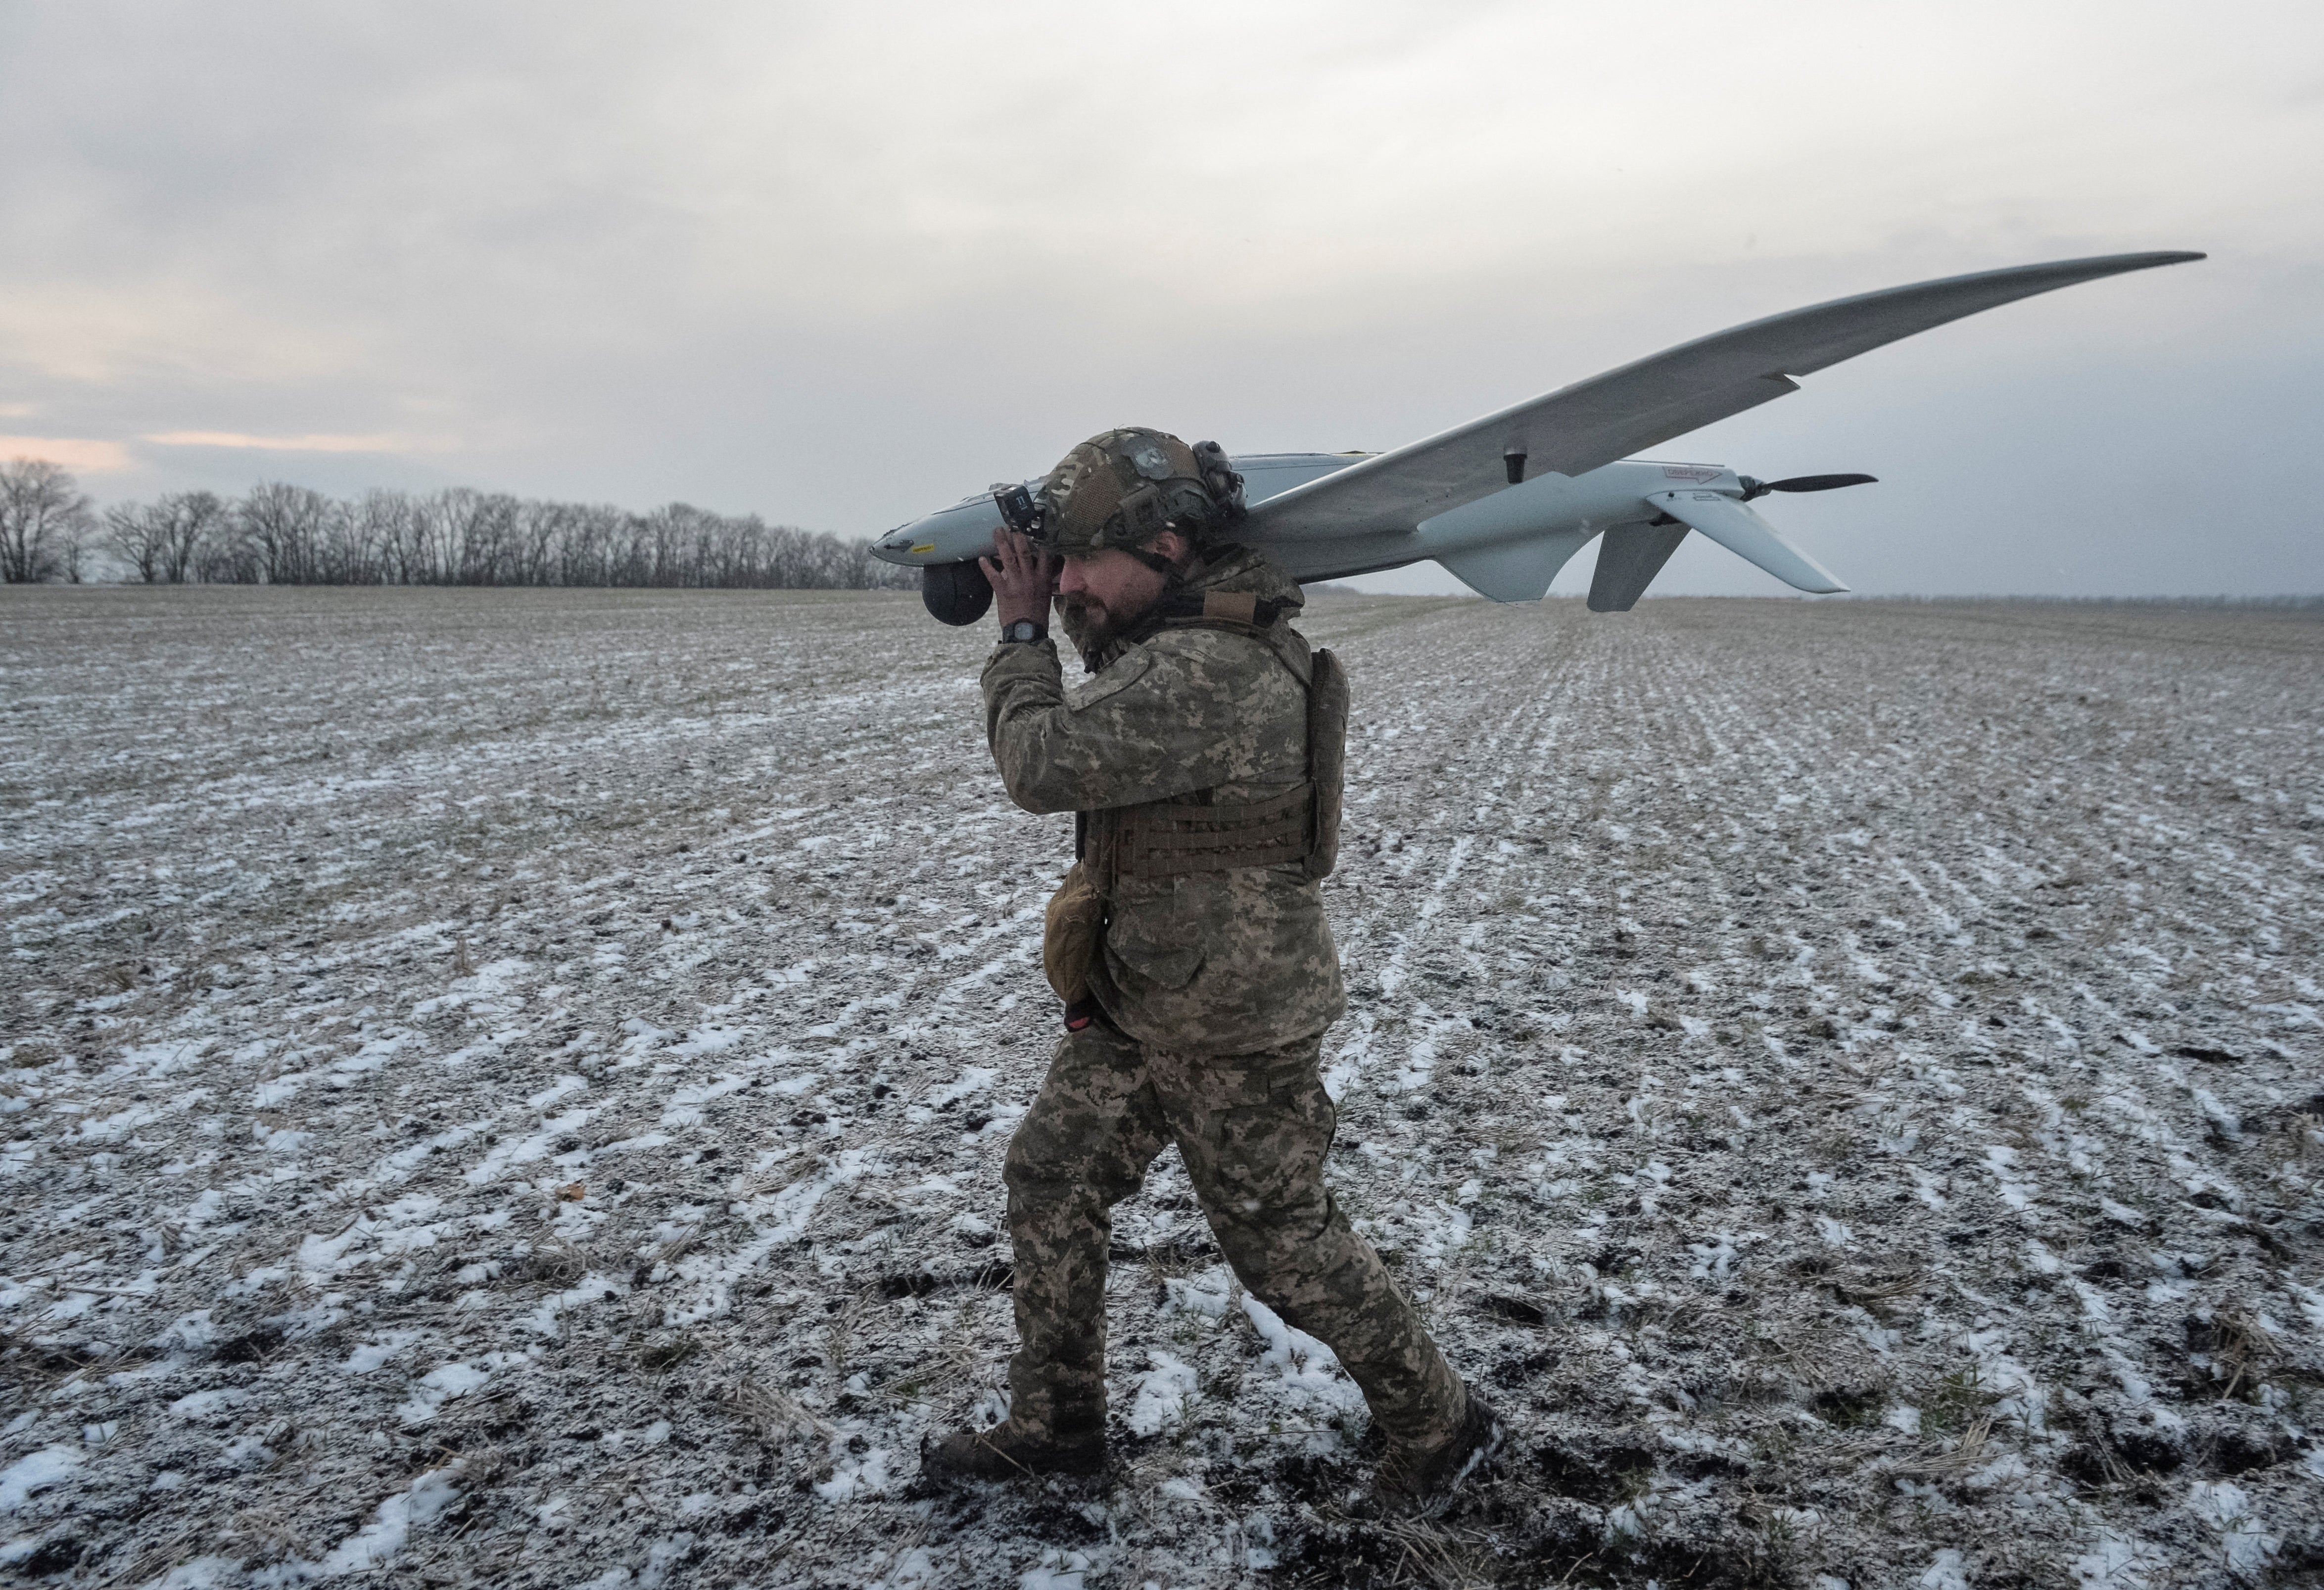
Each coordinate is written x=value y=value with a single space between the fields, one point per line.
x=1011 y=1450
x=1421 y=1482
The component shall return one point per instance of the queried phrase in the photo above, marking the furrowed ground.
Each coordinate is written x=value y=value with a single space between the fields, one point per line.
x=510 y=1087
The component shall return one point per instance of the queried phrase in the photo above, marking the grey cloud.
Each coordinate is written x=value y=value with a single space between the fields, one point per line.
x=835 y=265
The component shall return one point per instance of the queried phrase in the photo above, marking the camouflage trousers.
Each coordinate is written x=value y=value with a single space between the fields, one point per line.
x=1254 y=1130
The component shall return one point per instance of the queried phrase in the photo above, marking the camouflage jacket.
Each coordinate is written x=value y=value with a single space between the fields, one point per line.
x=1223 y=962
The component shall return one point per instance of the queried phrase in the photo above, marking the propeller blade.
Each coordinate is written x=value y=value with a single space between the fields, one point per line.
x=1823 y=482
x=1753 y=490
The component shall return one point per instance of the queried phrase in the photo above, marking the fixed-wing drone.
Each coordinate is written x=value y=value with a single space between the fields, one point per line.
x=1503 y=501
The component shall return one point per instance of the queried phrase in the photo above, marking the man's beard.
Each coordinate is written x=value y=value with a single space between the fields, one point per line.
x=1091 y=625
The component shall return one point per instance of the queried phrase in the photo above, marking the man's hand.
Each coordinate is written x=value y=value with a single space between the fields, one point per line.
x=1023 y=576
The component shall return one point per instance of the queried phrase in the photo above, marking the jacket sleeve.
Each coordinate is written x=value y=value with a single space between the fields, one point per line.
x=1155 y=723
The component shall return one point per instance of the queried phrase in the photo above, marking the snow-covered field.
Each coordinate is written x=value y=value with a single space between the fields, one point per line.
x=509 y=1087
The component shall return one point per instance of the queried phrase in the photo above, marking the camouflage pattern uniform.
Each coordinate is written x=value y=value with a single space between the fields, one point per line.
x=1216 y=988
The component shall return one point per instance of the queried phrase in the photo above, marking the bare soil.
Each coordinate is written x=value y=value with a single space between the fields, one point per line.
x=509 y=1087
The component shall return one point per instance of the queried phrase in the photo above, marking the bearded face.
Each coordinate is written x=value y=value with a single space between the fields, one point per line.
x=1074 y=618
x=1101 y=595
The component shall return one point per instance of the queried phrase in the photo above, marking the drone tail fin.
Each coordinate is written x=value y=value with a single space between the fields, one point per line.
x=1628 y=559
x=1515 y=571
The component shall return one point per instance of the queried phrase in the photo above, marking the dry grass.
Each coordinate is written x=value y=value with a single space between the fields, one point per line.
x=1880 y=1293
x=2302 y=1138
x=2239 y=1345
x=676 y=1248
x=1427 y=1553
x=773 y=1415
x=558 y=1261
x=940 y=1380
x=1945 y=1462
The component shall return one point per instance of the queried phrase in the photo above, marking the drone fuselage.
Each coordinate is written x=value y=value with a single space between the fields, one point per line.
x=1552 y=516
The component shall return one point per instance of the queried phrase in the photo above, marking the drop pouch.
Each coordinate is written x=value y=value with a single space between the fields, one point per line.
x=1327 y=758
x=1072 y=934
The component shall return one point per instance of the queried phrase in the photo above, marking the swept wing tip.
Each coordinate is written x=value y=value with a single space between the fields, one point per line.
x=2147 y=260
x=1666 y=395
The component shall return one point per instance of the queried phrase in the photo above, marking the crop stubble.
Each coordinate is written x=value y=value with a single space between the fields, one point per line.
x=511 y=1085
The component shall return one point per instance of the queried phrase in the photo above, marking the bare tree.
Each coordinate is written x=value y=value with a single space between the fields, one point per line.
x=161 y=539
x=289 y=525
x=346 y=551
x=391 y=524
x=289 y=535
x=484 y=549
x=228 y=554
x=196 y=518
x=138 y=533
x=45 y=521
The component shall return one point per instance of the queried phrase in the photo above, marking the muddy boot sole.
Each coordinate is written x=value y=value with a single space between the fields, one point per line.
x=1001 y=1456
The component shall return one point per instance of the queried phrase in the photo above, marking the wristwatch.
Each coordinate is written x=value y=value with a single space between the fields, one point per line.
x=1024 y=632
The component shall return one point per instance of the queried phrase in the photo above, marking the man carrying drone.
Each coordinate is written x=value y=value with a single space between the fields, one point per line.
x=1201 y=759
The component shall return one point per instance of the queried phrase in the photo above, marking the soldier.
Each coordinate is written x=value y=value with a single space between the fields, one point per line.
x=1191 y=945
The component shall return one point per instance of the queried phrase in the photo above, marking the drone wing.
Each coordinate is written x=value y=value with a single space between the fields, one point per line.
x=1579 y=427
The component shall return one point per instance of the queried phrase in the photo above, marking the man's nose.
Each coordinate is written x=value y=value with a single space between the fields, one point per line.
x=1069 y=578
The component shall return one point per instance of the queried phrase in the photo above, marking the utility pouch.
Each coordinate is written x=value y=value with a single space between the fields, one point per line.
x=1072 y=934
x=1327 y=757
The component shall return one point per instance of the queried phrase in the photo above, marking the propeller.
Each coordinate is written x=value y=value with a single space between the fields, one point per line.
x=1804 y=482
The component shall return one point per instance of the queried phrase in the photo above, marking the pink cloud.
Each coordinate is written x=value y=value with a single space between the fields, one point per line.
x=81 y=454
x=307 y=444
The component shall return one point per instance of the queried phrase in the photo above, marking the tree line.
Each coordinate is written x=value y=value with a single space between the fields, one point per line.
x=285 y=535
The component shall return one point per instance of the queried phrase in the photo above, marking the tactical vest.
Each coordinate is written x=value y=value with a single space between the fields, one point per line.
x=1193 y=832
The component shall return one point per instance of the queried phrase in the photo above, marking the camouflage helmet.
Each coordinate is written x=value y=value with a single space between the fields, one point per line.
x=1123 y=488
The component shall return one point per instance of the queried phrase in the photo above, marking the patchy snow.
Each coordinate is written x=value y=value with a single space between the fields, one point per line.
x=510 y=1088
x=1945 y=1572
x=38 y=1471
x=1309 y=1379
x=437 y=1387
x=1163 y=1393
x=389 y=1529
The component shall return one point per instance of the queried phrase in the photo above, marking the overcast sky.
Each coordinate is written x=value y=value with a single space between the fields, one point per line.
x=839 y=264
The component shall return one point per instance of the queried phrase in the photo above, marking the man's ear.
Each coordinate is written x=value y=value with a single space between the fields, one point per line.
x=1174 y=545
